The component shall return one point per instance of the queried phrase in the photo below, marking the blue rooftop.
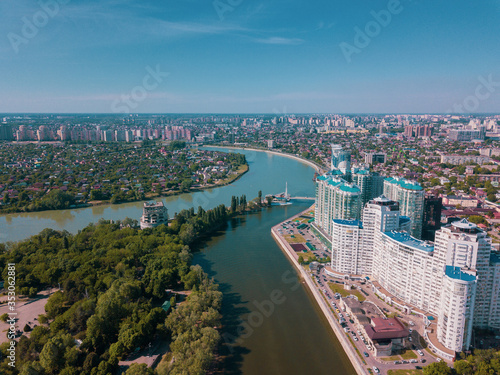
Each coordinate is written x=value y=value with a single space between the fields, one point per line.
x=354 y=223
x=322 y=178
x=336 y=172
x=361 y=171
x=457 y=274
x=405 y=184
x=350 y=189
x=408 y=240
x=333 y=182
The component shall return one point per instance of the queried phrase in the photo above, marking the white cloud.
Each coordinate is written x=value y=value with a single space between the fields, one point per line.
x=279 y=40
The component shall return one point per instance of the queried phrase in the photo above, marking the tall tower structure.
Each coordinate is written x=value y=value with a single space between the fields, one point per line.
x=341 y=159
x=335 y=199
x=410 y=196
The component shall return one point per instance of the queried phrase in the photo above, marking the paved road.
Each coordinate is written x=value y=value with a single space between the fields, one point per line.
x=322 y=281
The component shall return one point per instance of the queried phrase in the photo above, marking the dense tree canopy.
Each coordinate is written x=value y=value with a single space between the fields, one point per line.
x=114 y=279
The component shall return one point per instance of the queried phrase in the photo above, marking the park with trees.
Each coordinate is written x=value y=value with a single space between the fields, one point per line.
x=113 y=281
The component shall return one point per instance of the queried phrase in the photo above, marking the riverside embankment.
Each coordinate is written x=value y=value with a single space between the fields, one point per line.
x=293 y=257
x=292 y=337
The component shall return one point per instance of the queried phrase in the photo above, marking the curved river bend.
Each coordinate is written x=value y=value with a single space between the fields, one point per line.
x=271 y=324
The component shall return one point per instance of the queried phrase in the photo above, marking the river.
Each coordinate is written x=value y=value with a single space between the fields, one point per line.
x=272 y=325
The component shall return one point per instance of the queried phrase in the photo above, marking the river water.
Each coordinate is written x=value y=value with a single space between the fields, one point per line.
x=271 y=323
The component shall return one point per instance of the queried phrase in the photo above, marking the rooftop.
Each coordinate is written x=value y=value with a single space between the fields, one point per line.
x=407 y=240
x=336 y=172
x=350 y=188
x=382 y=199
x=457 y=274
x=354 y=223
x=405 y=184
x=361 y=171
x=464 y=224
x=386 y=328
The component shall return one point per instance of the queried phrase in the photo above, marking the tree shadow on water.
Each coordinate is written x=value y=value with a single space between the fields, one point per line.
x=232 y=349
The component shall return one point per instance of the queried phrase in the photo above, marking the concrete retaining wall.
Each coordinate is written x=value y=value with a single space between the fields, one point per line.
x=346 y=345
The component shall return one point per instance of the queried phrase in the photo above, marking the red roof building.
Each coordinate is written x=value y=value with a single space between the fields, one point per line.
x=387 y=335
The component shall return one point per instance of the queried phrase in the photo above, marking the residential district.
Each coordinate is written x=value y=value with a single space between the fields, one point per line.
x=405 y=221
x=441 y=280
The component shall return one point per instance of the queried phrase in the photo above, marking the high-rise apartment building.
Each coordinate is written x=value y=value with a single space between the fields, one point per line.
x=456 y=279
x=432 y=217
x=341 y=159
x=466 y=135
x=5 y=132
x=370 y=183
x=375 y=157
x=418 y=131
x=410 y=196
x=335 y=199
x=456 y=312
x=353 y=241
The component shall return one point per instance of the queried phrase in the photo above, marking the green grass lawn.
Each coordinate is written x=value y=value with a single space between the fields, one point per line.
x=405 y=372
x=297 y=238
x=339 y=288
x=392 y=358
x=409 y=354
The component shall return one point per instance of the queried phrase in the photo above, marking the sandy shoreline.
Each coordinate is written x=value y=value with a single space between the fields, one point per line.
x=298 y=158
x=346 y=345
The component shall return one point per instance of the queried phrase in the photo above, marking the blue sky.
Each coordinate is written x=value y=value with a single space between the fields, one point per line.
x=261 y=57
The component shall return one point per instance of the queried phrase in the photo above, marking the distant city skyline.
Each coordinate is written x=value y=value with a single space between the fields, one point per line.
x=240 y=57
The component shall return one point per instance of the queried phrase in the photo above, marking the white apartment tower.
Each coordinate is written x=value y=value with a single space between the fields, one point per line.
x=353 y=242
x=456 y=279
x=464 y=245
x=456 y=309
x=348 y=254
